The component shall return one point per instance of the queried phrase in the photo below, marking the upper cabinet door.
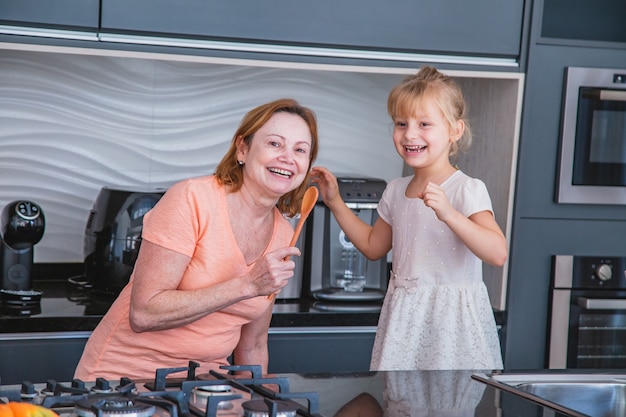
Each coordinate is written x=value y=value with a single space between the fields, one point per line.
x=582 y=20
x=486 y=27
x=54 y=14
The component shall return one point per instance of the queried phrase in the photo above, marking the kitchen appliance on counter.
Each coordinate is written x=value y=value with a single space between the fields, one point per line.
x=23 y=225
x=113 y=235
x=338 y=272
x=593 y=137
x=588 y=317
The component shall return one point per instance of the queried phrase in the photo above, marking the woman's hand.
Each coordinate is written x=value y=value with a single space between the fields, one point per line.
x=272 y=271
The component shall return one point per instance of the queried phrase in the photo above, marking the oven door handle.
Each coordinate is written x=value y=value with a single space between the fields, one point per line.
x=613 y=95
x=602 y=303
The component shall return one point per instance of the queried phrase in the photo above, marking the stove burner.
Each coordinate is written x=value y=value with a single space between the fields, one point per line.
x=269 y=408
x=104 y=405
x=200 y=396
x=212 y=385
x=213 y=390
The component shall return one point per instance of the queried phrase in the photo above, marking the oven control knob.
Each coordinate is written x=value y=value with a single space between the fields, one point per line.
x=604 y=272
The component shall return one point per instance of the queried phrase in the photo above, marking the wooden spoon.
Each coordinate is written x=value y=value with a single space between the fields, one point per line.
x=308 y=202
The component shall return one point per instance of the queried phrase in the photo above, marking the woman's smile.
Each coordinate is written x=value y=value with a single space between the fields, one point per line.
x=281 y=172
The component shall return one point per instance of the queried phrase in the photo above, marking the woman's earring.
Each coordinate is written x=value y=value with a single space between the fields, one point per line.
x=240 y=163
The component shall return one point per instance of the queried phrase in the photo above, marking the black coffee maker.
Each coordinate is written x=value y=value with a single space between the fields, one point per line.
x=113 y=236
x=23 y=224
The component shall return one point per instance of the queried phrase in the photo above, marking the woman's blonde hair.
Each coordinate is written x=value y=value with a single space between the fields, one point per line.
x=229 y=172
x=429 y=83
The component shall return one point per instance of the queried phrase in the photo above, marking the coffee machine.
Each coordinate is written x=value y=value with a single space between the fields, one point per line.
x=23 y=226
x=337 y=271
x=113 y=236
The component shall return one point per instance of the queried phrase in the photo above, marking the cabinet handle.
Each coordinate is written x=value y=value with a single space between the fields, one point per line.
x=322 y=330
x=602 y=303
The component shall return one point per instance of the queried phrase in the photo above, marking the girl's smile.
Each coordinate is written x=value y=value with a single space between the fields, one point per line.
x=416 y=149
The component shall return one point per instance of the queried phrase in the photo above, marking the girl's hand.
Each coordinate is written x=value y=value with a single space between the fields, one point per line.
x=435 y=198
x=327 y=184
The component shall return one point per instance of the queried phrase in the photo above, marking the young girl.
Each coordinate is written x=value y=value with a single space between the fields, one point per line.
x=441 y=226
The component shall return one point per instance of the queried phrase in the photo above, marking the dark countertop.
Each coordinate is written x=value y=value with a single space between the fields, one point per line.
x=402 y=393
x=69 y=307
x=413 y=393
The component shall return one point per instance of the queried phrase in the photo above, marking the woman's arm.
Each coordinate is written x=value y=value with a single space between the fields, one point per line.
x=252 y=346
x=157 y=303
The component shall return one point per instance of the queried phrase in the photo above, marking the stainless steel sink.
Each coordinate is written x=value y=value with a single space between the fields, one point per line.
x=594 y=395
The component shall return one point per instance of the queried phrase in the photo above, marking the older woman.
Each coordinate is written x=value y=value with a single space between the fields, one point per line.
x=213 y=249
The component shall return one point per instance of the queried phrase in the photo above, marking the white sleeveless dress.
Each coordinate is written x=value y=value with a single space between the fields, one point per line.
x=436 y=313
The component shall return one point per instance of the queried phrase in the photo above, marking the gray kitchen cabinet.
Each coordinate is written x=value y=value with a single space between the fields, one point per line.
x=486 y=28
x=317 y=350
x=566 y=33
x=582 y=20
x=80 y=15
x=38 y=357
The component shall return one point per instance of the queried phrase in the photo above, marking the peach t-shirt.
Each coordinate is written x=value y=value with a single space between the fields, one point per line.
x=192 y=219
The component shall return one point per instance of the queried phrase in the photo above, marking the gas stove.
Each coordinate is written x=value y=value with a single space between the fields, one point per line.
x=238 y=391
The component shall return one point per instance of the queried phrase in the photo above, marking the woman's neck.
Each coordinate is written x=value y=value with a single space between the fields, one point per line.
x=247 y=203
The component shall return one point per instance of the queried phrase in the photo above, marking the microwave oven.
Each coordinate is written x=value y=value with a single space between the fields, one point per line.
x=592 y=166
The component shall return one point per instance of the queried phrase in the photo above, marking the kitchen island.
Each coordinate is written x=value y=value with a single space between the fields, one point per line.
x=372 y=394
x=413 y=393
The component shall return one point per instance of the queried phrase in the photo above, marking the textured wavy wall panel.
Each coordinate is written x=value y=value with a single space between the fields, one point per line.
x=70 y=124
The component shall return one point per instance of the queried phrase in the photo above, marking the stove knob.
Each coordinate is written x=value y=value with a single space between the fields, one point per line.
x=28 y=390
x=604 y=272
x=50 y=388
x=126 y=385
x=102 y=386
x=77 y=383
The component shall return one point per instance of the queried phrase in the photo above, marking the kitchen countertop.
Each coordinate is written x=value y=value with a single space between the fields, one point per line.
x=412 y=393
x=70 y=307
x=400 y=394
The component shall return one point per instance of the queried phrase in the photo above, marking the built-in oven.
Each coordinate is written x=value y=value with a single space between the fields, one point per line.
x=593 y=137
x=588 y=313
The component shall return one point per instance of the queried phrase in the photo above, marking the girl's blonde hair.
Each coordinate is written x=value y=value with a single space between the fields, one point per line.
x=429 y=83
x=229 y=171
